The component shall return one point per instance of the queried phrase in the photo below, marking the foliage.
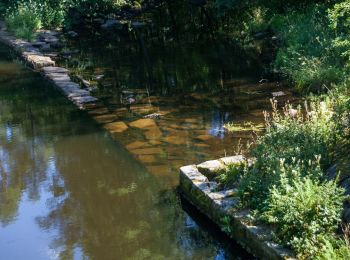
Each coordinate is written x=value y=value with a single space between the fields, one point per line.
x=335 y=249
x=51 y=13
x=286 y=185
x=305 y=212
x=307 y=56
x=339 y=17
x=230 y=176
x=79 y=10
x=23 y=22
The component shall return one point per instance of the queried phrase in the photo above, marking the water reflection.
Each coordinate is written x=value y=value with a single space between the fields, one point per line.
x=68 y=192
x=166 y=100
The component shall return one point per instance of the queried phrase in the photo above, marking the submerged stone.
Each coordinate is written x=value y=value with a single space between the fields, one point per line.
x=143 y=123
x=147 y=158
x=159 y=170
x=135 y=145
x=142 y=151
x=174 y=139
x=204 y=137
x=116 y=127
x=106 y=118
x=153 y=133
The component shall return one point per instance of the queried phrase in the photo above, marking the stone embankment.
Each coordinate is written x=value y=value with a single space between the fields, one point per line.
x=32 y=55
x=222 y=208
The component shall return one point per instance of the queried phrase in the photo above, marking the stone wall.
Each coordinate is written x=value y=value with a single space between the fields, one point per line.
x=43 y=63
x=221 y=208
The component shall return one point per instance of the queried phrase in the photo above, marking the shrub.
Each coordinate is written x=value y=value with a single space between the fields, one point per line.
x=23 y=22
x=335 y=249
x=305 y=213
x=294 y=138
x=286 y=186
x=307 y=56
x=339 y=17
x=229 y=177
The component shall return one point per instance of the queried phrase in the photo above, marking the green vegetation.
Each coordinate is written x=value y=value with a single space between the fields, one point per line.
x=286 y=186
x=23 y=22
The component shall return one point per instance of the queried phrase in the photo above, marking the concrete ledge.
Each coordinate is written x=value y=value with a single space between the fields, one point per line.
x=221 y=207
x=59 y=77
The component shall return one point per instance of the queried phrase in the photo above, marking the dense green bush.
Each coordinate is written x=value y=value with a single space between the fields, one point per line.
x=339 y=17
x=296 y=139
x=286 y=185
x=51 y=13
x=307 y=56
x=23 y=22
x=305 y=212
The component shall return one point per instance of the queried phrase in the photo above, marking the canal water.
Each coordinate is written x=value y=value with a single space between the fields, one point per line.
x=167 y=101
x=68 y=191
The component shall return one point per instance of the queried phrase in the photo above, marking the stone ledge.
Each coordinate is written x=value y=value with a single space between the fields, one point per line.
x=218 y=205
x=58 y=76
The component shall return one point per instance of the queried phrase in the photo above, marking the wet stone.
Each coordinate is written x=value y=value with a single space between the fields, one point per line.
x=103 y=119
x=202 y=145
x=143 y=123
x=135 y=145
x=142 y=151
x=79 y=93
x=204 y=137
x=38 y=44
x=155 y=142
x=159 y=170
x=116 y=127
x=83 y=100
x=45 y=48
x=174 y=139
x=54 y=70
x=153 y=133
x=147 y=158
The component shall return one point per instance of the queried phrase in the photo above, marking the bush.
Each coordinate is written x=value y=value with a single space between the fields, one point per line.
x=339 y=17
x=23 y=22
x=294 y=138
x=335 y=249
x=305 y=213
x=308 y=57
x=286 y=186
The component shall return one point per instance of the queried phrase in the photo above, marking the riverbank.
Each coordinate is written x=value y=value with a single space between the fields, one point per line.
x=223 y=208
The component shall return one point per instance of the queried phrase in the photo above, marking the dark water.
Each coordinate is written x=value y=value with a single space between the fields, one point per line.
x=67 y=191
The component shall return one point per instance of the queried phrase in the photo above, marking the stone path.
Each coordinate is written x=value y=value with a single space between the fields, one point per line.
x=39 y=61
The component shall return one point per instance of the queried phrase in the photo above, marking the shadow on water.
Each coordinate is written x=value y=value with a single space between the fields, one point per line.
x=186 y=89
x=67 y=191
